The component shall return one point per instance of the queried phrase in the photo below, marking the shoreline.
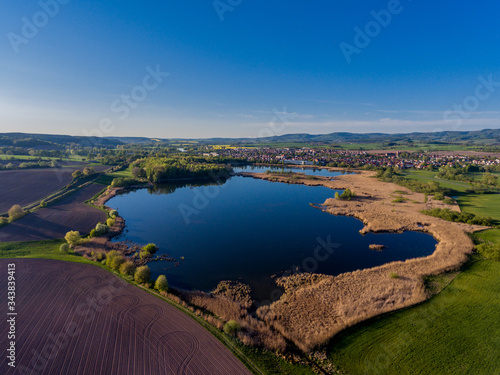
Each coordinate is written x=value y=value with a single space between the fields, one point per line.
x=315 y=307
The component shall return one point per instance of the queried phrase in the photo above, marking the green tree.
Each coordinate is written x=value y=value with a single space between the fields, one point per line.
x=128 y=268
x=114 y=259
x=16 y=212
x=142 y=274
x=73 y=237
x=64 y=248
x=161 y=284
x=232 y=327
x=77 y=174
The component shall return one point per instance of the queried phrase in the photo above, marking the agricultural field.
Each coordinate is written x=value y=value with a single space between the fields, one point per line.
x=54 y=221
x=25 y=186
x=30 y=185
x=78 y=319
x=456 y=332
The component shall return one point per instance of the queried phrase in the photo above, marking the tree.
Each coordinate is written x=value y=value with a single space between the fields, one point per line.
x=88 y=171
x=127 y=268
x=113 y=213
x=114 y=260
x=232 y=327
x=73 y=237
x=161 y=284
x=43 y=204
x=77 y=174
x=337 y=195
x=64 y=248
x=110 y=222
x=142 y=274
x=16 y=212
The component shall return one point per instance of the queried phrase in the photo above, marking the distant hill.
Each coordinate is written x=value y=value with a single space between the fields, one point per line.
x=487 y=137
x=481 y=137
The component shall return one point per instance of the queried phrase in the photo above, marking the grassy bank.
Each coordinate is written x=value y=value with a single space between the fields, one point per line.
x=456 y=332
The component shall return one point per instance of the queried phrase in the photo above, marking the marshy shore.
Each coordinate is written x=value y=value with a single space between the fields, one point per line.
x=316 y=307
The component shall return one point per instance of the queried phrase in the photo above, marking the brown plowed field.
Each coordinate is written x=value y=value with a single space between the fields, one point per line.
x=78 y=319
x=55 y=221
x=25 y=186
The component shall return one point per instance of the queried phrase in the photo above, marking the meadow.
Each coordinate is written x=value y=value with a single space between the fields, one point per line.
x=456 y=332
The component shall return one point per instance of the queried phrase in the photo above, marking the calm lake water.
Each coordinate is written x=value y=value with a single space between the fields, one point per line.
x=249 y=230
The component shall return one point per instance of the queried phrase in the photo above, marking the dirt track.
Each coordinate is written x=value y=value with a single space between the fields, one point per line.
x=78 y=319
x=55 y=221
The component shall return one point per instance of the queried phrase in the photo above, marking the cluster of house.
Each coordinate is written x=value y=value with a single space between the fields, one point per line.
x=398 y=159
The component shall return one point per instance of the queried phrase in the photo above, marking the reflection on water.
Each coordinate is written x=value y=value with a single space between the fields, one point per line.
x=248 y=230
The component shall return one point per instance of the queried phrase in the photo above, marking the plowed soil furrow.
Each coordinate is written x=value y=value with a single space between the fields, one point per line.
x=120 y=329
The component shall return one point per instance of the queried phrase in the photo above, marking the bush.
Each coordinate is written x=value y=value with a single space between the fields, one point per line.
x=127 y=268
x=73 y=237
x=93 y=233
x=337 y=195
x=110 y=222
x=113 y=213
x=3 y=220
x=161 y=284
x=77 y=174
x=64 y=248
x=460 y=217
x=114 y=260
x=232 y=327
x=101 y=229
x=142 y=274
x=399 y=199
x=16 y=212
x=43 y=204
x=438 y=196
x=490 y=251
x=347 y=195
x=394 y=275
x=148 y=250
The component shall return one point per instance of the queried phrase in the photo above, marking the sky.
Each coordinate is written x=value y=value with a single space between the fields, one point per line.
x=241 y=68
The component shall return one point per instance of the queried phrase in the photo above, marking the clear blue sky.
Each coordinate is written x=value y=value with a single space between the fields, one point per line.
x=233 y=77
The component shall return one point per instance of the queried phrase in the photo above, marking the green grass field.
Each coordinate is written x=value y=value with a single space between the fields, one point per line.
x=107 y=178
x=456 y=332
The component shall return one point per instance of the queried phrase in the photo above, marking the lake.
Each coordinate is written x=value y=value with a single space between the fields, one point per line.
x=249 y=230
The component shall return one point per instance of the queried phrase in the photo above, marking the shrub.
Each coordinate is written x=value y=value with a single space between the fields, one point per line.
x=448 y=201
x=16 y=212
x=3 y=220
x=113 y=213
x=110 y=222
x=399 y=199
x=101 y=229
x=347 y=194
x=232 y=327
x=43 y=204
x=127 y=268
x=142 y=274
x=73 y=237
x=93 y=233
x=148 y=250
x=394 y=275
x=77 y=174
x=461 y=217
x=114 y=260
x=161 y=284
x=64 y=248
x=438 y=196
x=490 y=251
x=337 y=195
